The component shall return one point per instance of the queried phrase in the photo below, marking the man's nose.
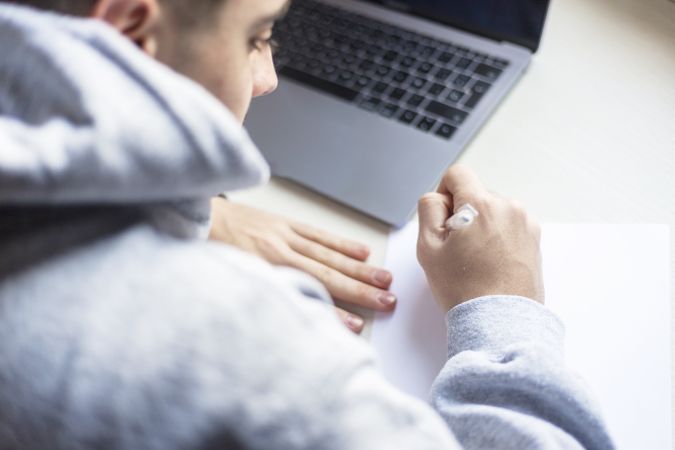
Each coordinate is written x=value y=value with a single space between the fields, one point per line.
x=266 y=81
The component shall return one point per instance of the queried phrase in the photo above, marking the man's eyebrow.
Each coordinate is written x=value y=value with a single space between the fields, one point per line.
x=274 y=17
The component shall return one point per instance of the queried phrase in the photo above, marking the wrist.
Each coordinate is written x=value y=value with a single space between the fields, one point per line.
x=526 y=285
x=219 y=204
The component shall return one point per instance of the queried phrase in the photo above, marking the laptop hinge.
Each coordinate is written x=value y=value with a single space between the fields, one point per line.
x=399 y=6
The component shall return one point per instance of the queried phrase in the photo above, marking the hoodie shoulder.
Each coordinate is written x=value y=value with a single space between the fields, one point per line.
x=177 y=339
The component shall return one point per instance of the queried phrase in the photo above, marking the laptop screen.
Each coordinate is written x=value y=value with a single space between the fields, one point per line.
x=517 y=21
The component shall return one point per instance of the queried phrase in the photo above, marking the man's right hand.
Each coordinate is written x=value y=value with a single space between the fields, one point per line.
x=497 y=255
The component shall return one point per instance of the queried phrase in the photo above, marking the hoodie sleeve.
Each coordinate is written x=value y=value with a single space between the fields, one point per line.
x=505 y=384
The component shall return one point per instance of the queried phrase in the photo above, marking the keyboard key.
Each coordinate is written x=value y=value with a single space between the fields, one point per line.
x=383 y=71
x=480 y=87
x=410 y=45
x=335 y=89
x=461 y=80
x=392 y=39
x=500 y=63
x=329 y=69
x=400 y=77
x=324 y=20
x=427 y=51
x=425 y=68
x=342 y=43
x=356 y=46
x=489 y=72
x=473 y=101
x=280 y=61
x=408 y=116
x=408 y=61
x=463 y=63
x=380 y=87
x=375 y=34
x=372 y=51
x=424 y=40
x=348 y=60
x=390 y=56
x=363 y=81
x=478 y=90
x=443 y=74
x=418 y=83
x=415 y=100
x=313 y=64
x=490 y=61
x=297 y=61
x=436 y=89
x=389 y=110
x=445 y=57
x=426 y=124
x=455 y=96
x=316 y=49
x=397 y=94
x=366 y=65
x=370 y=103
x=454 y=115
x=346 y=76
x=445 y=131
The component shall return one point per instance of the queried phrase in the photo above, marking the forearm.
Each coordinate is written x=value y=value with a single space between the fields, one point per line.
x=506 y=385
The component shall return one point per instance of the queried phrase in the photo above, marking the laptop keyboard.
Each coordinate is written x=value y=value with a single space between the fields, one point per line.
x=420 y=81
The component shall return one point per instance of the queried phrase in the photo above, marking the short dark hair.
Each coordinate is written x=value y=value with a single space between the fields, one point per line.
x=190 y=11
x=74 y=7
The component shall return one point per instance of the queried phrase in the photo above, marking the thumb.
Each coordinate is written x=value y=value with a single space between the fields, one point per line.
x=434 y=209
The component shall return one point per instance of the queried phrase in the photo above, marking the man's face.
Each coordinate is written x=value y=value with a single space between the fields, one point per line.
x=232 y=57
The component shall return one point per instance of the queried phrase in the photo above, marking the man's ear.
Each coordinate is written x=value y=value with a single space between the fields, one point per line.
x=135 y=19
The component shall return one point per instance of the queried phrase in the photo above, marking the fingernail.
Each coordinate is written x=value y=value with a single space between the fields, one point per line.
x=355 y=322
x=362 y=249
x=387 y=298
x=382 y=276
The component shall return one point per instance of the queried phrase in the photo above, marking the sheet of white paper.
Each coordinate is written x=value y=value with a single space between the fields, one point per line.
x=608 y=283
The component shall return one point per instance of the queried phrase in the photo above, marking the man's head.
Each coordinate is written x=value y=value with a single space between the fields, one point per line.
x=222 y=44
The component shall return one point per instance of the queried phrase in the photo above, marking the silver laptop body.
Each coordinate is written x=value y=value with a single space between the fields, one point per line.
x=371 y=161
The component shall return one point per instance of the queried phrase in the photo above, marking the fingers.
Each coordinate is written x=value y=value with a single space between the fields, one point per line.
x=344 y=246
x=353 y=322
x=335 y=260
x=433 y=209
x=462 y=184
x=341 y=286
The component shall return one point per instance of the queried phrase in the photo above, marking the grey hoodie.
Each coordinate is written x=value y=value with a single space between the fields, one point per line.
x=121 y=328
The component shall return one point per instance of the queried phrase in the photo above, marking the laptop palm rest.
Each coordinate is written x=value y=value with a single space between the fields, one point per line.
x=331 y=147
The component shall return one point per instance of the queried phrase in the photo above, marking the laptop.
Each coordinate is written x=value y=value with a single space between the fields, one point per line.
x=377 y=98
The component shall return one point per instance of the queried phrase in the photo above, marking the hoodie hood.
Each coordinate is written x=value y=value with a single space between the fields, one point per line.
x=87 y=118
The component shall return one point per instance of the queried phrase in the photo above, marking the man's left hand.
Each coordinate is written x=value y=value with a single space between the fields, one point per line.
x=338 y=263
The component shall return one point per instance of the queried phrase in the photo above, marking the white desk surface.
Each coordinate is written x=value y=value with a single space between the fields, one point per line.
x=587 y=136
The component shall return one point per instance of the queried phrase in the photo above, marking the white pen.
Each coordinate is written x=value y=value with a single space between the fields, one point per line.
x=462 y=218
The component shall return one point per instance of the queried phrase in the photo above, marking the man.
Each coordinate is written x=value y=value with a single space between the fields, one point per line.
x=121 y=329
x=339 y=264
